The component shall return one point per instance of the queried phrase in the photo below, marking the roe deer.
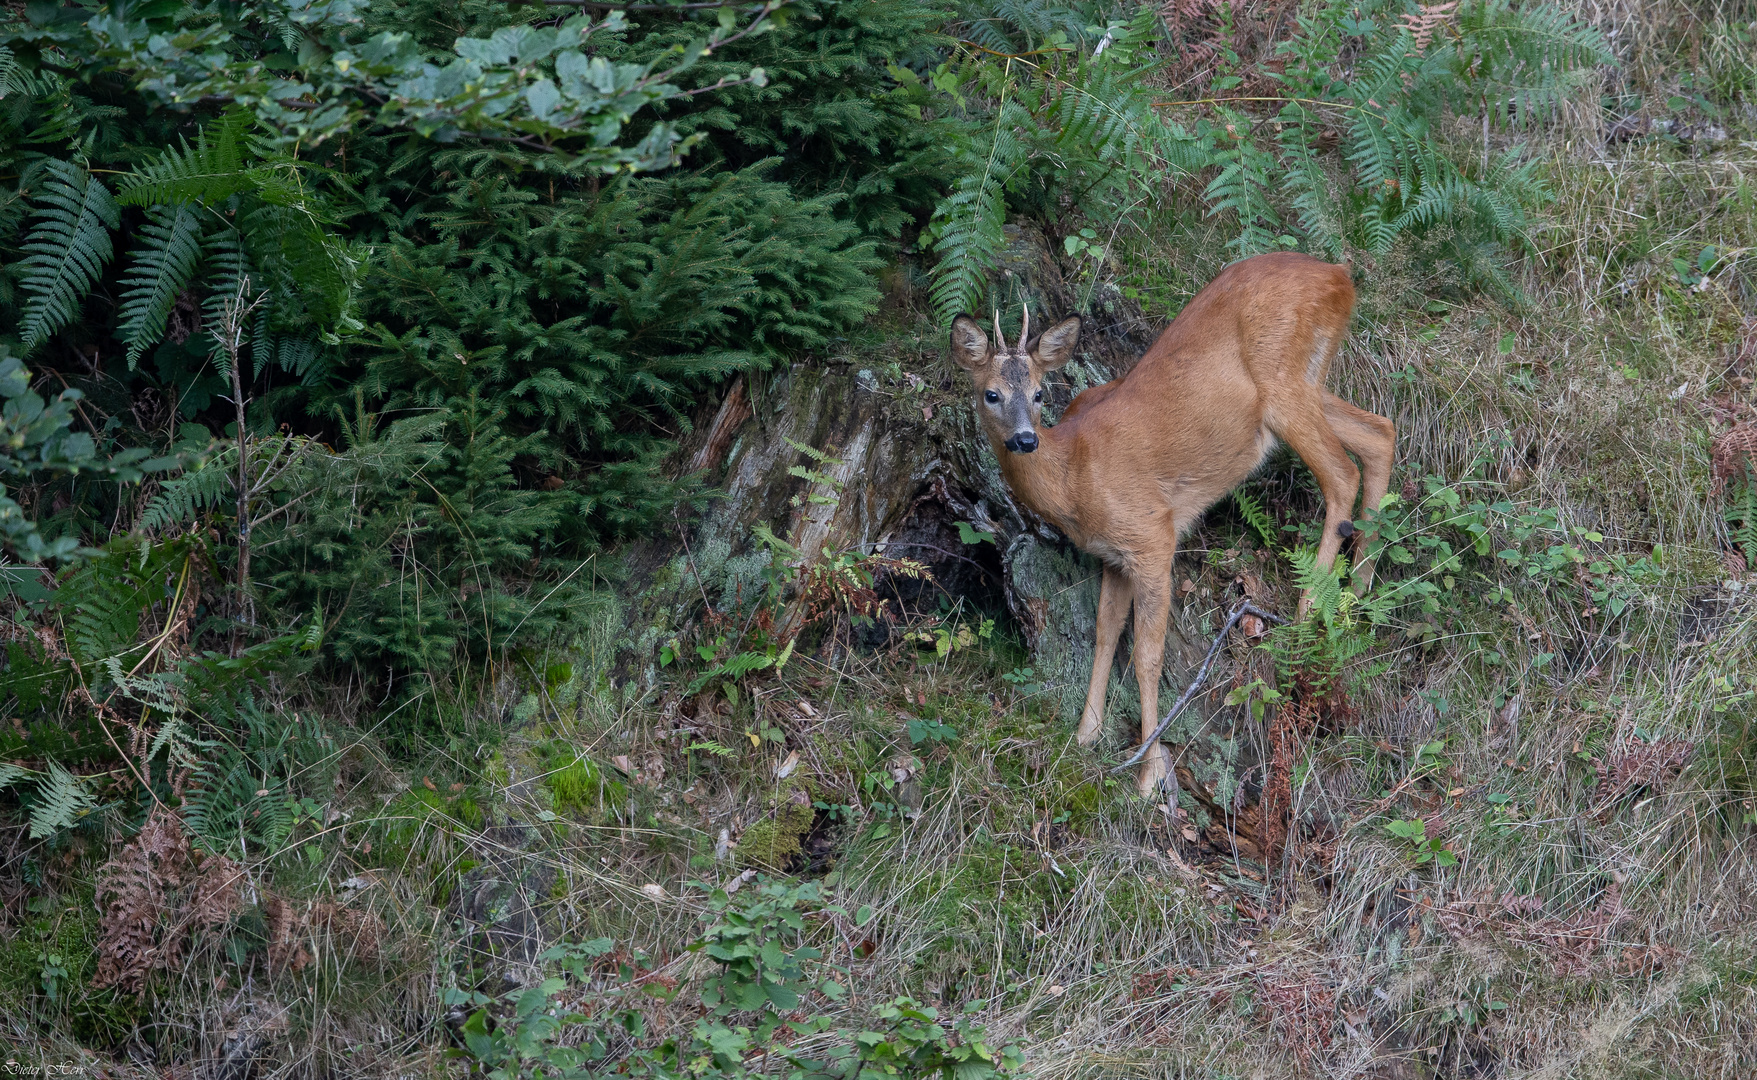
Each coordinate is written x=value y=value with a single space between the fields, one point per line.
x=1134 y=463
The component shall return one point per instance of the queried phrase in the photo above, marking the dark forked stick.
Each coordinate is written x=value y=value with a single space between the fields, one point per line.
x=1244 y=608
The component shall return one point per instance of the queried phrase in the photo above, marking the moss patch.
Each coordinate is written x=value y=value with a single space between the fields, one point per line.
x=778 y=839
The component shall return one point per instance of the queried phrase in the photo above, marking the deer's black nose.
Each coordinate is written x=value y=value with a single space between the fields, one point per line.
x=1023 y=442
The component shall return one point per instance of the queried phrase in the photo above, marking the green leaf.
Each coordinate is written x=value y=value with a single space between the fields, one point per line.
x=1412 y=829
x=970 y=534
x=782 y=997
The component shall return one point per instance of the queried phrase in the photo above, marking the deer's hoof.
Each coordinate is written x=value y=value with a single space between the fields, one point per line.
x=1091 y=726
x=1155 y=775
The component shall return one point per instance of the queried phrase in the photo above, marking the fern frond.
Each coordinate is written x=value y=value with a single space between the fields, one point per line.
x=1256 y=517
x=68 y=246
x=1309 y=188
x=208 y=172
x=163 y=266
x=1741 y=517
x=9 y=82
x=274 y=818
x=968 y=224
x=199 y=811
x=1373 y=152
x=106 y=617
x=60 y=801
x=196 y=491
x=302 y=357
x=1242 y=187
x=11 y=774
x=1380 y=232
x=1324 y=586
x=105 y=596
x=179 y=746
x=1531 y=57
x=228 y=266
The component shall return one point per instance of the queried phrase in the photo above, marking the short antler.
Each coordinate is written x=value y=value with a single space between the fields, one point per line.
x=1025 y=327
x=1000 y=338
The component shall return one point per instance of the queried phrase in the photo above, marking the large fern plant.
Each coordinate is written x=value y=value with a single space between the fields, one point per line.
x=129 y=672
x=1348 y=152
x=222 y=214
x=1048 y=97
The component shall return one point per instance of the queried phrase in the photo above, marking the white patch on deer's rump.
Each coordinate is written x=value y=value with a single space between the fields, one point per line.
x=1315 y=365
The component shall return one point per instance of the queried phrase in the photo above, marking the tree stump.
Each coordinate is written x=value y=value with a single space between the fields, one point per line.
x=902 y=463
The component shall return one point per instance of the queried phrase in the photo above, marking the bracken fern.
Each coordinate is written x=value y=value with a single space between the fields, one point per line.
x=60 y=801
x=198 y=489
x=1047 y=98
x=164 y=263
x=68 y=246
x=1741 y=517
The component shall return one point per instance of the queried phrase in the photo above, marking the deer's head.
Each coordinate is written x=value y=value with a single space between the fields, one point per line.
x=1009 y=379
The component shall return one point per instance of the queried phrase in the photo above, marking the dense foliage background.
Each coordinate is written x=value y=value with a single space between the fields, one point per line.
x=347 y=348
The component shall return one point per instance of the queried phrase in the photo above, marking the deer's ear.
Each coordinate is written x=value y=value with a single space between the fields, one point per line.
x=1055 y=346
x=969 y=343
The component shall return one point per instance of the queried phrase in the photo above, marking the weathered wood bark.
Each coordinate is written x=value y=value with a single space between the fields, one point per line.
x=908 y=464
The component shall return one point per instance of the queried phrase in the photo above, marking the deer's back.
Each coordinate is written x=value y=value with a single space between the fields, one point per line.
x=1190 y=421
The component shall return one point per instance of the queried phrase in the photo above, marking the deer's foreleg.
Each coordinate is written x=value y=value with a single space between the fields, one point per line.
x=1152 y=588
x=1114 y=596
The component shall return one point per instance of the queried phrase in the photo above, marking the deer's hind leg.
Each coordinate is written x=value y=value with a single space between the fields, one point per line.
x=1311 y=437
x=1373 y=439
x=1115 y=595
x=1303 y=426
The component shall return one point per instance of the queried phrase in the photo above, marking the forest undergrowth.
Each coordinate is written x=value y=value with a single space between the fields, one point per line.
x=330 y=749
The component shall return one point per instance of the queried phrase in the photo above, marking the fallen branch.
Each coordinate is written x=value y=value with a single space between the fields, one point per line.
x=1244 y=608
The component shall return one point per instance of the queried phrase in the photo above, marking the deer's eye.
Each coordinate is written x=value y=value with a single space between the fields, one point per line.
x=1037 y=397
x=992 y=398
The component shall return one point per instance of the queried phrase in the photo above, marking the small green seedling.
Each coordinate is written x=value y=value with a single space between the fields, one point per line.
x=931 y=732
x=1258 y=694
x=970 y=534
x=1423 y=849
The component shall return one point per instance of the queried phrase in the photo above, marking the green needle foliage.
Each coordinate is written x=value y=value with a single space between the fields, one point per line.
x=594 y=320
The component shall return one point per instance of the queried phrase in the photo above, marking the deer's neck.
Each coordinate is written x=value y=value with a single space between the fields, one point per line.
x=1039 y=479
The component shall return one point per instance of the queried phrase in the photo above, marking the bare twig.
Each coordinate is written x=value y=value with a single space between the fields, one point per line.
x=1245 y=607
x=233 y=317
